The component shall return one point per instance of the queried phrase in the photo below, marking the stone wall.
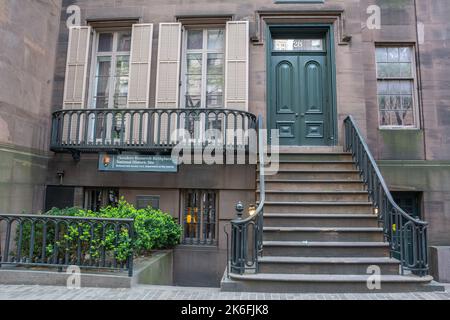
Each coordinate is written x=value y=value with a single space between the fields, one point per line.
x=28 y=36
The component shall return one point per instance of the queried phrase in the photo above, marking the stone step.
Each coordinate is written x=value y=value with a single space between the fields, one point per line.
x=316 y=156
x=316 y=165
x=320 y=220
x=323 y=234
x=319 y=207
x=314 y=196
x=325 y=249
x=321 y=283
x=309 y=149
x=315 y=175
x=314 y=185
x=327 y=265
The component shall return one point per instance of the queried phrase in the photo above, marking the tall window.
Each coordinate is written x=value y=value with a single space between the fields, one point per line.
x=199 y=217
x=204 y=68
x=396 y=81
x=111 y=69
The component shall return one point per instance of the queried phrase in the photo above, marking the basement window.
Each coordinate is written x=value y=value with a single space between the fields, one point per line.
x=199 y=217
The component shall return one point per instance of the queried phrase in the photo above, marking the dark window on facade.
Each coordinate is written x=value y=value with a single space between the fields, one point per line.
x=410 y=202
x=95 y=199
x=199 y=217
x=59 y=197
x=143 y=202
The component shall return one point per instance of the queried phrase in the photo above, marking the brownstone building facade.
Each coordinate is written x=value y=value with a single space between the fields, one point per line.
x=384 y=62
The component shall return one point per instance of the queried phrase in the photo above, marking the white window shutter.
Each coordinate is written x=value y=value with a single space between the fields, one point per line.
x=168 y=78
x=237 y=78
x=139 y=81
x=76 y=68
x=140 y=65
x=75 y=83
x=237 y=65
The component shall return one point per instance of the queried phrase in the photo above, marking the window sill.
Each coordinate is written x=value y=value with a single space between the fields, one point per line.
x=399 y=129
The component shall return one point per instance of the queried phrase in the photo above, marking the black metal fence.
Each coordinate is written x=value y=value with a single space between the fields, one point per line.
x=247 y=234
x=94 y=130
x=407 y=236
x=59 y=242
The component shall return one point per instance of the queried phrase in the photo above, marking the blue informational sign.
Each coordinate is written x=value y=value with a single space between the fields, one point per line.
x=136 y=163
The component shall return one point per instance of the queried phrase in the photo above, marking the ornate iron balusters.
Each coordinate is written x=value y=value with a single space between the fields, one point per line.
x=406 y=235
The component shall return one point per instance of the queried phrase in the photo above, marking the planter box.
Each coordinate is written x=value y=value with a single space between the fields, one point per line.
x=154 y=270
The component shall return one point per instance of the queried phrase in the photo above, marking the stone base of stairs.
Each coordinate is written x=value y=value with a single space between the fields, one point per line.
x=310 y=283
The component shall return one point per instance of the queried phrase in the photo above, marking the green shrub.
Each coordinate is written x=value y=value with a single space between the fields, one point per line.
x=153 y=228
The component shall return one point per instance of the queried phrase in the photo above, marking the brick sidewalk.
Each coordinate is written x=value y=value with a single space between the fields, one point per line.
x=180 y=293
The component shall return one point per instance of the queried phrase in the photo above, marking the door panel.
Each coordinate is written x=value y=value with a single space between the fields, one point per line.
x=286 y=99
x=313 y=106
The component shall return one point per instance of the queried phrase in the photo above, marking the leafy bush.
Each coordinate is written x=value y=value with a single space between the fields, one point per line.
x=153 y=228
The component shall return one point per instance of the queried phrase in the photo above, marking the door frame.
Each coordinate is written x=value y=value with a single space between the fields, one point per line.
x=328 y=31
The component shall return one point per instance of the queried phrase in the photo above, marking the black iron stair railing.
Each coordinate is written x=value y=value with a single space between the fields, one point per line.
x=406 y=235
x=247 y=234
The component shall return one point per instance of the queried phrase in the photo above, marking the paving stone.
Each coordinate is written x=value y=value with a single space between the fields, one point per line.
x=9 y=292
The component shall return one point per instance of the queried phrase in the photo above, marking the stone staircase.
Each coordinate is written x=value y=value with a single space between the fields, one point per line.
x=320 y=231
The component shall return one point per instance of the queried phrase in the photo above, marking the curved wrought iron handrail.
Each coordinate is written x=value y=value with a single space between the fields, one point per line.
x=247 y=234
x=407 y=235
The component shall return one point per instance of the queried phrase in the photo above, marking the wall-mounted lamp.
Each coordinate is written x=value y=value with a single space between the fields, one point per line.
x=106 y=161
x=61 y=176
x=252 y=210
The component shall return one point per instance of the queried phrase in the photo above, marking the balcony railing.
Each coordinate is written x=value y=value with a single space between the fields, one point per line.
x=146 y=130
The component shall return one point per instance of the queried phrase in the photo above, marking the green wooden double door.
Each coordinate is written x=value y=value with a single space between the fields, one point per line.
x=300 y=103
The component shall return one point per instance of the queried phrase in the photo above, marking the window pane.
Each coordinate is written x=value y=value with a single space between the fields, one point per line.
x=214 y=101
x=406 y=87
x=383 y=70
x=105 y=42
x=394 y=87
x=214 y=85
x=382 y=102
x=194 y=85
x=393 y=70
x=194 y=63
x=405 y=54
x=123 y=66
x=215 y=64
x=195 y=39
x=102 y=82
x=393 y=55
x=193 y=101
x=215 y=39
x=381 y=54
x=405 y=70
x=383 y=87
x=124 y=41
x=407 y=102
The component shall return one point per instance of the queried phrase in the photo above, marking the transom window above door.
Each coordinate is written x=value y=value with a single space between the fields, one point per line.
x=110 y=74
x=203 y=76
x=298 y=45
